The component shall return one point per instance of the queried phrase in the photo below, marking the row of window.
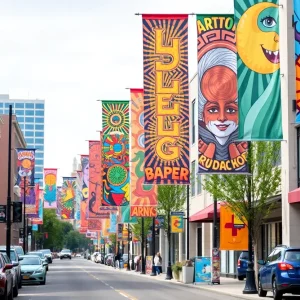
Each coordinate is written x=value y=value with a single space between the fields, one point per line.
x=39 y=148
x=20 y=112
x=194 y=175
x=30 y=119
x=32 y=126
x=39 y=134
x=39 y=162
x=39 y=169
x=23 y=105
x=34 y=141
x=39 y=155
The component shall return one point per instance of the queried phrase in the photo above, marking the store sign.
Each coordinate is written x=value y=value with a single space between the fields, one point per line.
x=2 y=213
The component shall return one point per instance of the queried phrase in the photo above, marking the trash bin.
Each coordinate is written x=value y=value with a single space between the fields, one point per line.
x=121 y=264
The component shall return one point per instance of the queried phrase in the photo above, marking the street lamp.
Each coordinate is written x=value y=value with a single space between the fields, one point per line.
x=153 y=273
x=128 y=249
x=143 y=248
x=169 y=270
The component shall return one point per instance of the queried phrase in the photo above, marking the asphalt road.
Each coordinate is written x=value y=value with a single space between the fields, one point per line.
x=82 y=279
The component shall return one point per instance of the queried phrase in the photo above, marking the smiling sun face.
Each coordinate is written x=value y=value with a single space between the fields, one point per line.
x=257 y=36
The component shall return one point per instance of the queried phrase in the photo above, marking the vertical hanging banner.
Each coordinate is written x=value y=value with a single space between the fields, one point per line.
x=233 y=232
x=30 y=205
x=50 y=177
x=85 y=173
x=115 y=167
x=78 y=196
x=115 y=117
x=68 y=193
x=25 y=164
x=40 y=219
x=257 y=40
x=113 y=223
x=105 y=227
x=94 y=224
x=297 y=56
x=124 y=216
x=166 y=99
x=37 y=200
x=217 y=97
x=58 y=197
x=176 y=220
x=95 y=179
x=143 y=201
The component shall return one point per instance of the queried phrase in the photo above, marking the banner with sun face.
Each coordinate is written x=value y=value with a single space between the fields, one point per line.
x=95 y=179
x=217 y=97
x=115 y=168
x=297 y=56
x=50 y=176
x=30 y=197
x=143 y=200
x=25 y=165
x=68 y=194
x=257 y=40
x=166 y=99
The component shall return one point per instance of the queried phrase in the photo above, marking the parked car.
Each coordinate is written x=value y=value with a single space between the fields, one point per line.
x=41 y=256
x=109 y=259
x=33 y=269
x=19 y=250
x=65 y=253
x=6 y=279
x=14 y=272
x=99 y=258
x=15 y=259
x=242 y=265
x=78 y=255
x=87 y=255
x=48 y=254
x=280 y=273
x=93 y=256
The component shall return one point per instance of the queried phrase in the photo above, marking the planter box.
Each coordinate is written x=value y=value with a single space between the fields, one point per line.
x=187 y=274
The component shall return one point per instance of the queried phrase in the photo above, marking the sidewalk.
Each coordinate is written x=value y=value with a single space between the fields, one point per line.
x=228 y=286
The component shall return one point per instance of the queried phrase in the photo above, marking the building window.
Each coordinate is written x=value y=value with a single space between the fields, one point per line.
x=39 y=162
x=29 y=105
x=39 y=134
x=193 y=121
x=8 y=104
x=39 y=155
x=29 y=112
x=39 y=120
x=19 y=112
x=19 y=105
x=39 y=169
x=193 y=178
x=39 y=113
x=40 y=148
x=1 y=105
x=29 y=140
x=29 y=126
x=39 y=127
x=20 y=119
x=199 y=184
x=30 y=146
x=39 y=141
x=39 y=106
x=21 y=126
x=29 y=134
x=6 y=111
x=29 y=119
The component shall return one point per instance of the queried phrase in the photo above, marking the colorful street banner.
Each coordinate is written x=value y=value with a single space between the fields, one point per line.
x=91 y=234
x=50 y=178
x=149 y=260
x=143 y=201
x=85 y=171
x=297 y=56
x=95 y=179
x=78 y=196
x=113 y=223
x=124 y=216
x=94 y=224
x=217 y=97
x=105 y=227
x=40 y=219
x=233 y=231
x=115 y=167
x=68 y=193
x=202 y=269
x=35 y=227
x=30 y=199
x=58 y=197
x=166 y=99
x=37 y=200
x=159 y=222
x=25 y=164
x=216 y=266
x=176 y=220
x=257 y=40
x=115 y=117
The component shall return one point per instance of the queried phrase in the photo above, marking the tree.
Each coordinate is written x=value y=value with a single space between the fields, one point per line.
x=137 y=228
x=76 y=241
x=263 y=160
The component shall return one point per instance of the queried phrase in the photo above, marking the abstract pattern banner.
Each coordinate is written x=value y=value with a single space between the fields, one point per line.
x=257 y=40
x=113 y=223
x=143 y=201
x=58 y=197
x=115 y=168
x=68 y=193
x=25 y=164
x=115 y=117
x=85 y=171
x=217 y=97
x=297 y=56
x=166 y=99
x=78 y=196
x=30 y=205
x=124 y=216
x=37 y=200
x=39 y=220
x=95 y=179
x=50 y=177
x=94 y=224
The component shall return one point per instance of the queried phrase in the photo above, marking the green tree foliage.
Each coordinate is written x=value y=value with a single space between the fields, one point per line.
x=263 y=159
x=137 y=228
x=75 y=241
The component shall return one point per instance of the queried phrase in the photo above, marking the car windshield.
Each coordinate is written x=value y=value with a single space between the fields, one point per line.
x=293 y=255
x=65 y=251
x=12 y=254
x=40 y=254
x=47 y=251
x=30 y=261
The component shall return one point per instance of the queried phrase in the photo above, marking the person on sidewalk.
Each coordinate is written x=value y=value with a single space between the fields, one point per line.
x=117 y=260
x=137 y=260
x=158 y=263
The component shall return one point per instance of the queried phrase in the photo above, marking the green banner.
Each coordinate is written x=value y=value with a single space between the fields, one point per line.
x=257 y=39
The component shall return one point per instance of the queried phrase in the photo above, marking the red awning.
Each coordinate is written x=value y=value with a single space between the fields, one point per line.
x=206 y=214
x=294 y=196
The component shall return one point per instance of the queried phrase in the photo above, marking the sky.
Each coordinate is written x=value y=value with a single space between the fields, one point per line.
x=72 y=53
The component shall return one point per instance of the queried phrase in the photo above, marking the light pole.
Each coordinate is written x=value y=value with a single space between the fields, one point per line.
x=128 y=247
x=143 y=248
x=24 y=213
x=8 y=207
x=153 y=273
x=169 y=270
x=188 y=222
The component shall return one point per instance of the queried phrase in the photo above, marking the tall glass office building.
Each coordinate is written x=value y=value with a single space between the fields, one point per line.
x=31 y=118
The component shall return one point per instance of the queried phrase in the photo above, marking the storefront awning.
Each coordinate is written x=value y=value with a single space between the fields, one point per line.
x=206 y=214
x=294 y=196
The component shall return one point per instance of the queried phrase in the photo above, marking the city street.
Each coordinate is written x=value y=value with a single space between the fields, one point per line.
x=81 y=279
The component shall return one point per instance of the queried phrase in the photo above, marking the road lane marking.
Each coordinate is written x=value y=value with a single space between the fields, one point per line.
x=122 y=293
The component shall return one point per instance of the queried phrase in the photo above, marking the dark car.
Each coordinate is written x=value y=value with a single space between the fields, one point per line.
x=280 y=273
x=65 y=253
x=6 y=279
x=242 y=265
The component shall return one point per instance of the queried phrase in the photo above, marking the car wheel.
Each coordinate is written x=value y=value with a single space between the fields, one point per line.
x=44 y=281
x=261 y=292
x=241 y=278
x=277 y=295
x=47 y=268
x=15 y=291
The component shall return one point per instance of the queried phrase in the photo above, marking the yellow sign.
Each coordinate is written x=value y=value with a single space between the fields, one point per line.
x=176 y=224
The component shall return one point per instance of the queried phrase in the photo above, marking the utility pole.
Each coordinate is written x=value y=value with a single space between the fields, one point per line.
x=153 y=273
x=143 y=248
x=24 y=214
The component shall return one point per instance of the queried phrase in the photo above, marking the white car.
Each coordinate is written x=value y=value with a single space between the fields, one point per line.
x=78 y=255
x=93 y=256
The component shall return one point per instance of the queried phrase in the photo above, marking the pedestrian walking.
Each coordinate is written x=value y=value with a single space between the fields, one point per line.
x=158 y=263
x=117 y=260
x=137 y=260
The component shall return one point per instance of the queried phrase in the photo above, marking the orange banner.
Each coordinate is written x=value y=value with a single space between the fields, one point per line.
x=105 y=227
x=233 y=231
x=143 y=201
